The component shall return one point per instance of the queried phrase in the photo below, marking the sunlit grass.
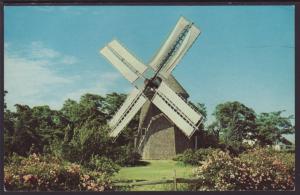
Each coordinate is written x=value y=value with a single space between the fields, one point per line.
x=154 y=170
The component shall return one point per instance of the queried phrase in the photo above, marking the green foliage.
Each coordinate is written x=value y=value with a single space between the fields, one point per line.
x=89 y=107
x=234 y=122
x=30 y=129
x=214 y=129
x=126 y=156
x=258 y=169
x=88 y=140
x=89 y=136
x=187 y=157
x=47 y=173
x=271 y=127
x=207 y=139
x=102 y=164
x=76 y=132
x=113 y=102
x=193 y=157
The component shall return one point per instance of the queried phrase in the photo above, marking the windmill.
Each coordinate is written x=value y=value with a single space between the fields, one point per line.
x=167 y=121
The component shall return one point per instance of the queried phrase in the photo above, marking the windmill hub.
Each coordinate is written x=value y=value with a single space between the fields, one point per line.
x=151 y=85
x=167 y=121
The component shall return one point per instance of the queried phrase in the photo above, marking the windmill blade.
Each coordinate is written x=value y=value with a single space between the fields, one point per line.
x=129 y=58
x=165 y=90
x=177 y=44
x=182 y=50
x=134 y=101
x=177 y=110
x=119 y=64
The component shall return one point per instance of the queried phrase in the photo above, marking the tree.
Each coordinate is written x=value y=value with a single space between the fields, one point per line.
x=271 y=126
x=88 y=140
x=49 y=125
x=214 y=129
x=31 y=129
x=86 y=134
x=112 y=102
x=5 y=106
x=25 y=133
x=234 y=122
x=89 y=107
x=71 y=110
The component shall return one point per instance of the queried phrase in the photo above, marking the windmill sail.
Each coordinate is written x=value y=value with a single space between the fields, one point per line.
x=183 y=48
x=176 y=109
x=119 y=64
x=177 y=44
x=173 y=106
x=130 y=59
x=134 y=101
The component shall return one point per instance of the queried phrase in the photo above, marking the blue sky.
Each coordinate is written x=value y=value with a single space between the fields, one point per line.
x=244 y=53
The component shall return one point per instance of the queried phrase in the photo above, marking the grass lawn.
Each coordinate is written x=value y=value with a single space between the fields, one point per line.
x=154 y=170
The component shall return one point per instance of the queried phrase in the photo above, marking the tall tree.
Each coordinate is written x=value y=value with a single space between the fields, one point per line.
x=236 y=122
x=112 y=102
x=86 y=133
x=271 y=127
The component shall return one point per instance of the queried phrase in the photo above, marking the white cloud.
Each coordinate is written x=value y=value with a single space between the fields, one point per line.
x=38 y=50
x=29 y=77
x=69 y=60
x=27 y=80
x=101 y=86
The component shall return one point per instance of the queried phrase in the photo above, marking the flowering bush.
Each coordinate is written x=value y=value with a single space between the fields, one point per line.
x=257 y=169
x=46 y=173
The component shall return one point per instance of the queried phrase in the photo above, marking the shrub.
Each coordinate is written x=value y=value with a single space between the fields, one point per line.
x=102 y=164
x=258 y=169
x=287 y=159
x=46 y=173
x=126 y=156
x=187 y=157
x=192 y=157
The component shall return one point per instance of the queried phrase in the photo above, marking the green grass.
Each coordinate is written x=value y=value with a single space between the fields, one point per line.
x=154 y=170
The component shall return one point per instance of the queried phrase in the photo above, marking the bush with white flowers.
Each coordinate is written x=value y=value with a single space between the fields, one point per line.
x=257 y=169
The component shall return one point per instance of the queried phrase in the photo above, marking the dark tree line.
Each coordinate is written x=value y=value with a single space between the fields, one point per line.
x=76 y=132
x=235 y=122
x=79 y=131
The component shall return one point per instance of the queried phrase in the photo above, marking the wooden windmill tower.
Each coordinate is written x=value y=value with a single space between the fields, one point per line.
x=167 y=123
